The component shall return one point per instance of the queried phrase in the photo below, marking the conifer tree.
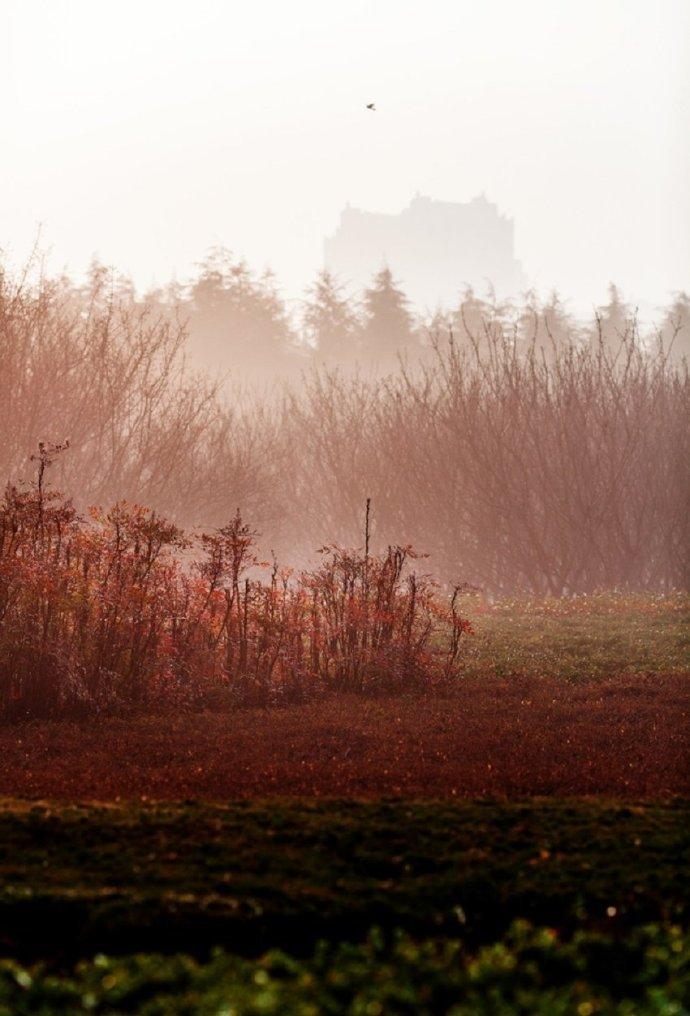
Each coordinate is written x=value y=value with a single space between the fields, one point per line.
x=236 y=317
x=675 y=328
x=330 y=322
x=544 y=328
x=477 y=322
x=614 y=322
x=388 y=325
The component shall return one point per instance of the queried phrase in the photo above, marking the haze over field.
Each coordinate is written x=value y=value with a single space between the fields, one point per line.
x=344 y=529
x=148 y=132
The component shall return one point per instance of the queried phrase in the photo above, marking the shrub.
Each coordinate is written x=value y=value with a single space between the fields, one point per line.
x=124 y=610
x=549 y=465
x=524 y=474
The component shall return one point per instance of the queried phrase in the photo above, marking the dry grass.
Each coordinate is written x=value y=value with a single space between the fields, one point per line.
x=587 y=696
x=626 y=737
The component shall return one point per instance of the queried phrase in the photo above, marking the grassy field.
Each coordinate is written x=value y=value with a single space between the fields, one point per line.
x=371 y=856
x=257 y=873
x=585 y=638
x=506 y=737
x=588 y=696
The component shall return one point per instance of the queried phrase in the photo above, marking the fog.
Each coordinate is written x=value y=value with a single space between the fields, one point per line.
x=148 y=133
x=522 y=449
x=344 y=506
x=296 y=262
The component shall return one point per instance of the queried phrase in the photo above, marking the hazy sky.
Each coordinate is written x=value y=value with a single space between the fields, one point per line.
x=146 y=131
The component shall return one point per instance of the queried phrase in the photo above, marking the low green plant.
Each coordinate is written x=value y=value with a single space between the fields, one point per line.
x=529 y=970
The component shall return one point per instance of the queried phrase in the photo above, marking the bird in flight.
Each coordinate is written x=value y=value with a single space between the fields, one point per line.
x=370 y=105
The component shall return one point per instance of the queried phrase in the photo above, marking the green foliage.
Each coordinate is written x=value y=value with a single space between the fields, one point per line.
x=248 y=875
x=535 y=908
x=530 y=970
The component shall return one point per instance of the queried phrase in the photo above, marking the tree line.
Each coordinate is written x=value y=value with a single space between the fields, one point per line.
x=237 y=320
x=523 y=454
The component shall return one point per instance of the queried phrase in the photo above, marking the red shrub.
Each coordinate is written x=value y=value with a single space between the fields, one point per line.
x=112 y=612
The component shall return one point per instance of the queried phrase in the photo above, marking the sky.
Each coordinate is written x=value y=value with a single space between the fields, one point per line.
x=145 y=132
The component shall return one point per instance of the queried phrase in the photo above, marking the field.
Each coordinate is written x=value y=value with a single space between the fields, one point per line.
x=581 y=639
x=111 y=879
x=515 y=737
x=555 y=698
x=344 y=627
x=517 y=842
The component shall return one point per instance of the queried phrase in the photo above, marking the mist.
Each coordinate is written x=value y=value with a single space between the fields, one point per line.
x=345 y=507
x=190 y=127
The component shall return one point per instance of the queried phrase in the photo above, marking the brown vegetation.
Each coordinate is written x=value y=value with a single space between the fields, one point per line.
x=514 y=472
x=625 y=737
x=524 y=459
x=108 y=614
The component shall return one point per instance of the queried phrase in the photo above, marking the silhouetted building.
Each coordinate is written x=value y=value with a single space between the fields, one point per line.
x=434 y=248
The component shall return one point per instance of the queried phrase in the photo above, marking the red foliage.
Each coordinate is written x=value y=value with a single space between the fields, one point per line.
x=624 y=737
x=118 y=611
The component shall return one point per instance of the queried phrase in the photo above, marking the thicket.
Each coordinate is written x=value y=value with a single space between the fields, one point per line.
x=123 y=610
x=525 y=454
x=521 y=473
x=94 y=367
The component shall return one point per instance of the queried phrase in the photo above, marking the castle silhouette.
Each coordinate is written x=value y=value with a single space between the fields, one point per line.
x=434 y=249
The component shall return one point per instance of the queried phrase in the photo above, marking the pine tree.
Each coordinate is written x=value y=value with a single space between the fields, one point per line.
x=675 y=328
x=614 y=323
x=330 y=323
x=388 y=325
x=478 y=324
x=237 y=318
x=559 y=324
x=545 y=328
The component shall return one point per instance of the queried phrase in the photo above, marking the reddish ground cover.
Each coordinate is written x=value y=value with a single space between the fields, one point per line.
x=627 y=737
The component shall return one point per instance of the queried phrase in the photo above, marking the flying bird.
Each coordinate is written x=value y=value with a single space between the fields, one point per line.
x=370 y=105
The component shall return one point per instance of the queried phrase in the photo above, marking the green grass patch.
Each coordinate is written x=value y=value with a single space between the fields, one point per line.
x=583 y=638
